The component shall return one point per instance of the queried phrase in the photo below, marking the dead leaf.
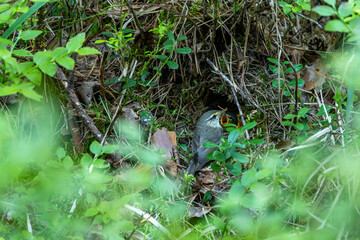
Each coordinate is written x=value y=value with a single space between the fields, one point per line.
x=161 y=140
x=172 y=136
x=315 y=76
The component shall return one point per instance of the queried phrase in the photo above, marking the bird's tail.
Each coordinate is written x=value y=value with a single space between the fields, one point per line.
x=193 y=165
x=191 y=169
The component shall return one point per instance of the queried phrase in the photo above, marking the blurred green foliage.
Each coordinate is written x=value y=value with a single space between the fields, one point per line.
x=46 y=194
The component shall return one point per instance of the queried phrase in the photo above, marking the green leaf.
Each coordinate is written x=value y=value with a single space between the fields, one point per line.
x=345 y=10
x=30 y=93
x=183 y=147
x=22 y=53
x=231 y=127
x=66 y=62
x=215 y=167
x=34 y=75
x=49 y=68
x=330 y=2
x=170 y=35
x=60 y=153
x=99 y=41
x=181 y=38
x=168 y=47
x=30 y=72
x=172 y=64
x=274 y=69
x=168 y=43
x=287 y=93
x=306 y=7
x=91 y=212
x=299 y=126
x=68 y=163
x=303 y=111
x=263 y=173
x=6 y=41
x=43 y=57
x=273 y=60
x=22 y=18
x=86 y=160
x=241 y=158
x=336 y=26
x=288 y=123
x=76 y=42
x=233 y=136
x=207 y=196
x=275 y=83
x=5 y=17
x=219 y=156
x=59 y=52
x=101 y=163
x=210 y=145
x=162 y=58
x=289 y=70
x=30 y=34
x=109 y=148
x=248 y=126
x=87 y=51
x=324 y=11
x=286 y=9
x=290 y=116
x=96 y=148
x=248 y=178
x=301 y=82
x=298 y=67
x=257 y=141
x=8 y=90
x=235 y=169
x=185 y=50
x=4 y=7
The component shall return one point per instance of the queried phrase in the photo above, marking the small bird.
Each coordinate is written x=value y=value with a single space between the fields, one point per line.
x=208 y=129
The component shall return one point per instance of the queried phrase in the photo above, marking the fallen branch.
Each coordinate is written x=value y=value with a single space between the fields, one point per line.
x=67 y=83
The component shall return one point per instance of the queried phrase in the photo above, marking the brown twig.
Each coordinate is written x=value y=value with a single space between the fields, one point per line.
x=137 y=23
x=215 y=23
x=68 y=84
x=234 y=93
x=296 y=78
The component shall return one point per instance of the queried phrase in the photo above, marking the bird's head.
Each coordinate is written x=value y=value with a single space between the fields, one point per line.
x=217 y=119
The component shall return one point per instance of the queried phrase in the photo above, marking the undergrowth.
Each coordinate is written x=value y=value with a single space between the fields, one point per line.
x=287 y=167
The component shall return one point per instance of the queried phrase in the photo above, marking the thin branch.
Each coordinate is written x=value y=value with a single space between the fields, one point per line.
x=234 y=93
x=82 y=113
x=137 y=23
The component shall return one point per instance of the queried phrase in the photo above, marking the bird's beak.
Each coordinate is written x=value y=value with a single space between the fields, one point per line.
x=224 y=120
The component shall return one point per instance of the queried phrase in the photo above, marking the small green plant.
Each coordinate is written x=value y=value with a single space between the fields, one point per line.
x=285 y=68
x=348 y=17
x=189 y=179
x=296 y=6
x=301 y=122
x=228 y=149
x=119 y=40
x=170 y=46
x=23 y=77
